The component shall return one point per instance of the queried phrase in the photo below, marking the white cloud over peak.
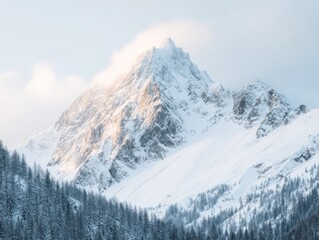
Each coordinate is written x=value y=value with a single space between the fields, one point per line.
x=190 y=34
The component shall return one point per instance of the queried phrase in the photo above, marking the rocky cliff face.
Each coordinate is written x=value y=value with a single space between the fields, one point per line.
x=164 y=101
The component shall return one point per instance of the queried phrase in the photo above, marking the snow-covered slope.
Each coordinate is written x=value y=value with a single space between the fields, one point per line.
x=166 y=132
x=228 y=154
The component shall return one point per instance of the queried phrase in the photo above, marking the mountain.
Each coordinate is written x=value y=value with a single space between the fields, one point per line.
x=166 y=133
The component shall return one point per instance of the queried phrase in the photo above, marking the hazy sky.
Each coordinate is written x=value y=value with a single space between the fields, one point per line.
x=50 y=51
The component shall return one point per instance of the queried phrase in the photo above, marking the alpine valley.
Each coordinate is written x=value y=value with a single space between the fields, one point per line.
x=167 y=138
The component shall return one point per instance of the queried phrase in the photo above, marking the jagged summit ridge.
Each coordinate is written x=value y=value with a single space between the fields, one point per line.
x=164 y=63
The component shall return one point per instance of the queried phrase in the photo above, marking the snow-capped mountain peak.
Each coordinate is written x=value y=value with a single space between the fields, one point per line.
x=106 y=132
x=167 y=122
x=164 y=63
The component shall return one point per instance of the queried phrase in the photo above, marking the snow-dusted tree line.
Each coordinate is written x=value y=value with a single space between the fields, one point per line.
x=35 y=206
x=291 y=211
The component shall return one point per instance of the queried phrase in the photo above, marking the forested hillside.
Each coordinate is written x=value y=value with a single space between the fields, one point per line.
x=35 y=206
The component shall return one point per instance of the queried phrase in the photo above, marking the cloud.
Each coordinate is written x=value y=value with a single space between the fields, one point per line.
x=8 y=80
x=28 y=106
x=192 y=35
x=45 y=85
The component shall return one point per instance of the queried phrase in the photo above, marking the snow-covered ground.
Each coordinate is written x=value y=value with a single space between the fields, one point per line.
x=228 y=154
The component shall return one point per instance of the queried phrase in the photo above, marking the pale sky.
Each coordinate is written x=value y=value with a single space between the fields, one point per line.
x=50 y=51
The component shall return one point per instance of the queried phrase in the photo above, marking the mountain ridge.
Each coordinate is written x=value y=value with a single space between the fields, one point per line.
x=147 y=125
